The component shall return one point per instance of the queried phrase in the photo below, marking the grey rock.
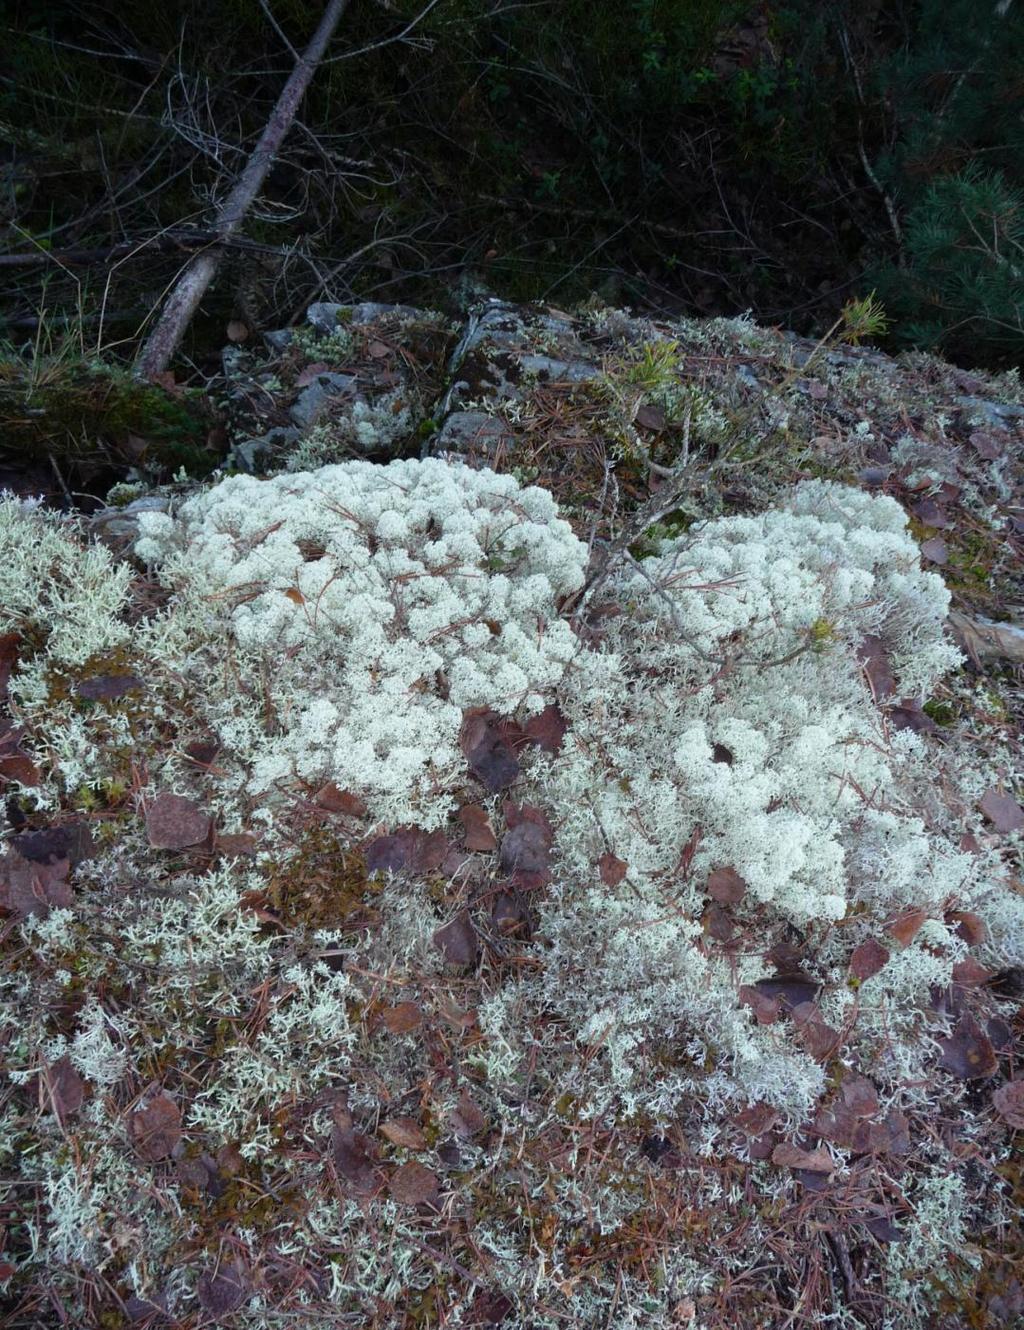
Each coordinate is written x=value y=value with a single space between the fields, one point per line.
x=996 y=414
x=323 y=317
x=561 y=371
x=473 y=432
x=317 y=396
x=120 y=526
x=278 y=340
x=247 y=455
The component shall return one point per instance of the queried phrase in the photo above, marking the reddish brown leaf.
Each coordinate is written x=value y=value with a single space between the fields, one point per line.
x=466 y=1118
x=650 y=417
x=726 y=886
x=868 y=959
x=969 y=926
x=874 y=661
x=987 y=446
x=240 y=845
x=155 y=1129
x=63 y=1090
x=929 y=512
x=906 y=926
x=34 y=888
x=766 y=1009
x=9 y=644
x=404 y=1132
x=757 y=1119
x=108 y=687
x=719 y=753
x=354 y=1160
x=489 y=755
x=1008 y=1101
x=508 y=914
x=792 y=1156
x=229 y=1160
x=408 y=850
x=546 y=729
x=935 y=550
x=860 y=1096
x=311 y=372
x=717 y=923
x=490 y=1307
x=612 y=870
x=72 y=841
x=971 y=973
x=479 y=835
x=174 y=822
x=910 y=715
x=18 y=766
x=457 y=941
x=968 y=1052
x=402 y=1018
x=333 y=800
x=1003 y=811
x=814 y=1036
x=413 y=1184
x=223 y=1290
x=526 y=846
x=789 y=989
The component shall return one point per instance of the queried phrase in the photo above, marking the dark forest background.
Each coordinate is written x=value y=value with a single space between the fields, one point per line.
x=690 y=156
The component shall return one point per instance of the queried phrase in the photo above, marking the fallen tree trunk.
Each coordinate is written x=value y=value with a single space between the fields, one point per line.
x=190 y=287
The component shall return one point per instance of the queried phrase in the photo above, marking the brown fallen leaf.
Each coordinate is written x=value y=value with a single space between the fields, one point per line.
x=813 y=1034
x=405 y=1132
x=526 y=846
x=108 y=687
x=726 y=886
x=935 y=550
x=1008 y=1101
x=457 y=941
x=767 y=1009
x=1003 y=811
x=413 y=1184
x=906 y=926
x=155 y=1129
x=968 y=1051
x=333 y=800
x=402 y=1018
x=756 y=1119
x=611 y=869
x=175 y=823
x=868 y=958
x=792 y=1156
x=479 y=834
x=353 y=1158
x=222 y=1290
x=466 y=1118
x=62 y=1089
x=546 y=729
x=28 y=888
x=489 y=754
x=874 y=661
x=789 y=989
x=969 y=926
x=408 y=850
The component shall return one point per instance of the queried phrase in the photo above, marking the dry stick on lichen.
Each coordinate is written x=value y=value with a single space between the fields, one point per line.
x=190 y=288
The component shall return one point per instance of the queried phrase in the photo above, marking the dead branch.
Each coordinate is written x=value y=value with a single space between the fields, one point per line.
x=184 y=299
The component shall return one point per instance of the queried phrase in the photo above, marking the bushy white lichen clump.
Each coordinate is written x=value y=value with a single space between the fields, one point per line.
x=377 y=603
x=55 y=589
x=727 y=724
